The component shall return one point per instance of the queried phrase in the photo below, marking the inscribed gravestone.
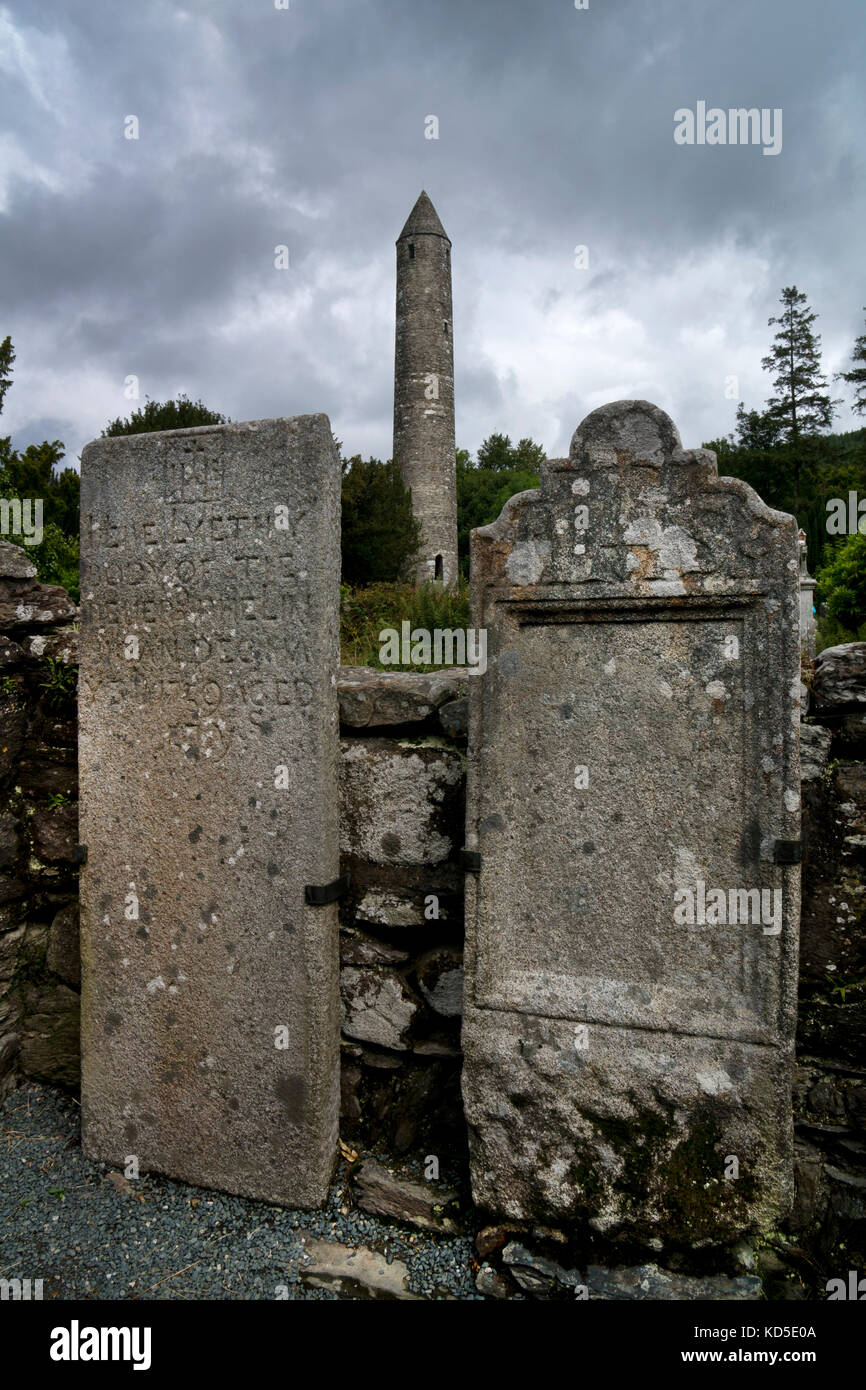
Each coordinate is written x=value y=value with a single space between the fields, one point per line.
x=633 y=792
x=208 y=768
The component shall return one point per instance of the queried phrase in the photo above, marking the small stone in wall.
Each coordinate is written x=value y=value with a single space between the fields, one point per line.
x=59 y=646
x=11 y=947
x=454 y=717
x=814 y=751
x=9 y=1045
x=64 y=949
x=436 y=1047
x=440 y=980
x=55 y=834
x=350 y=1100
x=11 y=654
x=15 y=728
x=27 y=603
x=854 y=727
x=489 y=1282
x=384 y=1193
x=400 y=803
x=49 y=1035
x=371 y=698
x=377 y=1006
x=492 y=1238
x=11 y=888
x=840 y=674
x=9 y=840
x=356 y=949
x=650 y=1282
x=386 y=907
x=535 y=1274
x=15 y=563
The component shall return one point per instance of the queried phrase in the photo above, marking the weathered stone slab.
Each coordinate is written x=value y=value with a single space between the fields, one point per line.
x=378 y=1006
x=661 y=1285
x=399 y=801
x=840 y=675
x=24 y=602
x=353 y=1271
x=208 y=766
x=633 y=746
x=15 y=563
x=425 y=1205
x=389 y=907
x=370 y=698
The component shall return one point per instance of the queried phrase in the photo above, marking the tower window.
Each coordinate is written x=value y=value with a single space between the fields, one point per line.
x=411 y=251
x=439 y=571
x=446 y=330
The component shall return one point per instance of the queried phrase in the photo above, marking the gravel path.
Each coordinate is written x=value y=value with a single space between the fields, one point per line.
x=90 y=1235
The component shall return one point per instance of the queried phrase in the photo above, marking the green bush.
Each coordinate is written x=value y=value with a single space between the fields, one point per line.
x=831 y=633
x=32 y=475
x=181 y=414
x=483 y=488
x=841 y=591
x=56 y=559
x=365 y=612
x=380 y=536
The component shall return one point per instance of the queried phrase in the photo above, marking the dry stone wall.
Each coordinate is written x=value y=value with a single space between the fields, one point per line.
x=39 y=955
x=829 y=1216
x=401 y=833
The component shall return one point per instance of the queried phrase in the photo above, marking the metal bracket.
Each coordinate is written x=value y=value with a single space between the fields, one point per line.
x=471 y=860
x=787 y=851
x=319 y=895
x=80 y=855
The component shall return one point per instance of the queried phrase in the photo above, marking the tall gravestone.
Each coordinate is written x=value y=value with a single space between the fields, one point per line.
x=208 y=781
x=633 y=818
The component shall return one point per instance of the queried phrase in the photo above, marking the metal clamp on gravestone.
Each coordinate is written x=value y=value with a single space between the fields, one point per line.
x=319 y=895
x=787 y=851
x=471 y=860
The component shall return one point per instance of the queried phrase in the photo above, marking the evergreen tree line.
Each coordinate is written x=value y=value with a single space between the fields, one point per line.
x=787 y=454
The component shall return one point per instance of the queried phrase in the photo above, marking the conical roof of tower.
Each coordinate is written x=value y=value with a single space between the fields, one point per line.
x=423 y=220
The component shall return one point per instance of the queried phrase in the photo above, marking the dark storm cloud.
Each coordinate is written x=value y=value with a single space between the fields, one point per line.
x=262 y=127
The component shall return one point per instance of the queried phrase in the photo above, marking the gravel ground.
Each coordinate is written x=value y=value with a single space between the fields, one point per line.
x=88 y=1235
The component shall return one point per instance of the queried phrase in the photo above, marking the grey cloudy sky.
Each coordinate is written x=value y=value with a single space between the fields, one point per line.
x=306 y=127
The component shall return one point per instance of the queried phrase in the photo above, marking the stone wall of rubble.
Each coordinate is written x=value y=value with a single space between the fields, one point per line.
x=39 y=957
x=401 y=833
x=829 y=1220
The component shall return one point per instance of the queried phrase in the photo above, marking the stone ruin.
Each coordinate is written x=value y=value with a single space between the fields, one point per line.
x=626 y=1047
x=635 y=738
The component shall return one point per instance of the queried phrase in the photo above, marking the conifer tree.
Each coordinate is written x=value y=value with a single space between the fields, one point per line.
x=857 y=376
x=802 y=405
x=7 y=357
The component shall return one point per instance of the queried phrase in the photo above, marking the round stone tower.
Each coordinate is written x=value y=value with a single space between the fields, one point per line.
x=424 y=389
